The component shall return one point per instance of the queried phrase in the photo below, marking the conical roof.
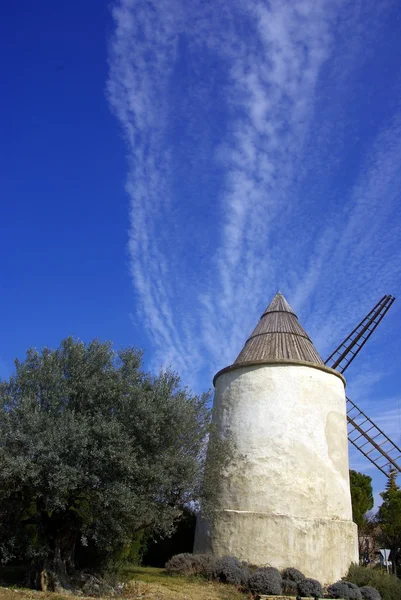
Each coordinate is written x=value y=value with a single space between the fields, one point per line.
x=278 y=335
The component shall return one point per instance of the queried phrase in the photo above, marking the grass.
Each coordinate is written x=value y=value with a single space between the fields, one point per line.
x=145 y=583
x=156 y=584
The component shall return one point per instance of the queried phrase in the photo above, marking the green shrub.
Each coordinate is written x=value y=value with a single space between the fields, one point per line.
x=388 y=586
x=309 y=587
x=344 y=589
x=290 y=587
x=266 y=580
x=369 y=593
x=202 y=564
x=292 y=574
x=180 y=564
x=291 y=578
x=191 y=564
x=228 y=569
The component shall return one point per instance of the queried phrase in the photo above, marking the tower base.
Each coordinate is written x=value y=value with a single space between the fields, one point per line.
x=320 y=548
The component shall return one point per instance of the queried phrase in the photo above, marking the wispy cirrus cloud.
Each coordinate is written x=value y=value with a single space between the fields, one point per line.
x=249 y=172
x=142 y=55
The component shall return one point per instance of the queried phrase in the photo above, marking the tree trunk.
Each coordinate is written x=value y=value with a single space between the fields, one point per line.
x=54 y=576
x=57 y=571
x=393 y=554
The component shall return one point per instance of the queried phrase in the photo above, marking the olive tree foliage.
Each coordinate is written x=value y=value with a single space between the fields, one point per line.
x=93 y=449
x=217 y=457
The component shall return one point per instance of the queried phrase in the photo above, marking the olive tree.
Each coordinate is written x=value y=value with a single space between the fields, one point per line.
x=92 y=450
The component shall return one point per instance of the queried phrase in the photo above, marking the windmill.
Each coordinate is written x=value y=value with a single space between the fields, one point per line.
x=363 y=433
x=283 y=496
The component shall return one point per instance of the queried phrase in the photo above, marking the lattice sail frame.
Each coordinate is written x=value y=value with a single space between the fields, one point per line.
x=363 y=433
x=345 y=353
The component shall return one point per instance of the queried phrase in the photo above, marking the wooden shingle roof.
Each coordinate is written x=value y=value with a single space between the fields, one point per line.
x=278 y=335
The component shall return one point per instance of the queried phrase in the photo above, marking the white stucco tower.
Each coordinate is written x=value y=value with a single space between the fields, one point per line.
x=284 y=499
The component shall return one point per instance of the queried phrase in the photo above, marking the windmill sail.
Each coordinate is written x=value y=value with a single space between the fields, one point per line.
x=374 y=444
x=363 y=433
x=345 y=353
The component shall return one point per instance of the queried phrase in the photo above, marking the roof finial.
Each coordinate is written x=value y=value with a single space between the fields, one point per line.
x=279 y=335
x=279 y=304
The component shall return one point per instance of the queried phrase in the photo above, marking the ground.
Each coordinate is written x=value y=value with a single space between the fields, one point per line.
x=146 y=583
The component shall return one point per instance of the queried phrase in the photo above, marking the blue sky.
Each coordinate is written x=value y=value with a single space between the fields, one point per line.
x=167 y=166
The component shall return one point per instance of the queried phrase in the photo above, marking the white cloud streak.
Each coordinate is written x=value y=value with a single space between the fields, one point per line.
x=287 y=213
